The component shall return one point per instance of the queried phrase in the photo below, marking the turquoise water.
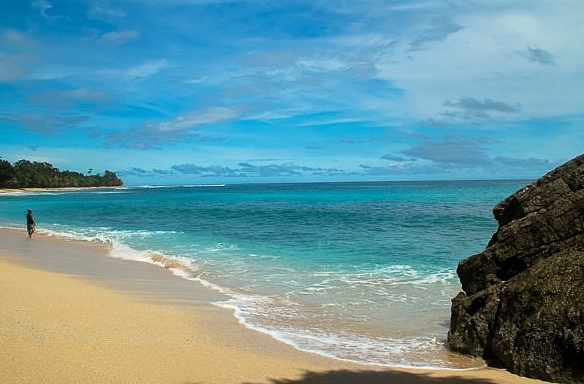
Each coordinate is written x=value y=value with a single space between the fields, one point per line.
x=358 y=271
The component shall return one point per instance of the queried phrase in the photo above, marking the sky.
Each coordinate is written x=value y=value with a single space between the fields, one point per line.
x=240 y=91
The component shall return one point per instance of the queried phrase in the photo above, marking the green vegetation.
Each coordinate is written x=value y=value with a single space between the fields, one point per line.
x=27 y=174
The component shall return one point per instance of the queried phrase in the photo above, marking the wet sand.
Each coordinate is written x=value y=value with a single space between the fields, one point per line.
x=71 y=314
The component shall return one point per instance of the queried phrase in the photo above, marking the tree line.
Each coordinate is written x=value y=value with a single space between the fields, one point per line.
x=27 y=174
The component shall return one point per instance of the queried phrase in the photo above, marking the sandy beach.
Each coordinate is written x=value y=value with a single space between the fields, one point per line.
x=62 y=189
x=71 y=314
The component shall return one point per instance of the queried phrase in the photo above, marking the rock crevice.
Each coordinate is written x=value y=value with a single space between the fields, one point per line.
x=522 y=303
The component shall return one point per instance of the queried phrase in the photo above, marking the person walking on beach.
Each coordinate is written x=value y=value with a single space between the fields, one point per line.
x=30 y=224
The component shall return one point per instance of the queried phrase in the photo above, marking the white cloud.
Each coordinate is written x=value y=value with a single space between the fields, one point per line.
x=481 y=61
x=145 y=70
x=14 y=37
x=468 y=108
x=452 y=151
x=190 y=120
x=103 y=12
x=413 y=6
x=329 y=121
x=537 y=55
x=439 y=30
x=42 y=6
x=14 y=67
x=17 y=55
x=322 y=64
x=68 y=99
x=85 y=94
x=156 y=133
x=45 y=123
x=246 y=169
x=119 y=37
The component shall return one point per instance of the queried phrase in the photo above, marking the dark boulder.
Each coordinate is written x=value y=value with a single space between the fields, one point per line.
x=523 y=299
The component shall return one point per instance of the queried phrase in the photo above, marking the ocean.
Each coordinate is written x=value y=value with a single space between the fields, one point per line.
x=362 y=272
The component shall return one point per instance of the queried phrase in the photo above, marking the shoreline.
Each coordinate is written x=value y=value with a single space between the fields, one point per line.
x=62 y=189
x=80 y=266
x=180 y=268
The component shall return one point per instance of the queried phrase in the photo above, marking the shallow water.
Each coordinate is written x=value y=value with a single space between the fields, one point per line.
x=359 y=271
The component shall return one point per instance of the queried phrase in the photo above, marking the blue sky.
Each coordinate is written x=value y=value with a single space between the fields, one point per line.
x=213 y=91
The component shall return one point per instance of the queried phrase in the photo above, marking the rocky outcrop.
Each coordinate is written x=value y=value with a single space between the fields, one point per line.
x=523 y=299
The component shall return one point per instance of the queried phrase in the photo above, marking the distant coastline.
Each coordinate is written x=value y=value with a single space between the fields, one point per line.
x=60 y=189
x=27 y=174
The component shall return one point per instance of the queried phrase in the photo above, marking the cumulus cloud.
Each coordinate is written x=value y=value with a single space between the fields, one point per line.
x=439 y=30
x=143 y=173
x=537 y=55
x=455 y=154
x=457 y=151
x=14 y=67
x=434 y=161
x=79 y=94
x=66 y=100
x=285 y=169
x=103 y=12
x=155 y=132
x=162 y=172
x=17 y=57
x=119 y=37
x=470 y=103
x=144 y=70
x=14 y=38
x=135 y=171
x=44 y=123
x=469 y=108
x=85 y=94
x=213 y=170
x=403 y=169
x=483 y=57
x=391 y=157
x=247 y=169
x=527 y=164
x=190 y=120
x=43 y=6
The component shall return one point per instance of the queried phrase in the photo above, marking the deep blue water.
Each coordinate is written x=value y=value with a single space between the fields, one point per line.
x=359 y=271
